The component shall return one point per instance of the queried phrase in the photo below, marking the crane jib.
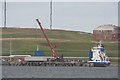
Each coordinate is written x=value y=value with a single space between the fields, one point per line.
x=49 y=43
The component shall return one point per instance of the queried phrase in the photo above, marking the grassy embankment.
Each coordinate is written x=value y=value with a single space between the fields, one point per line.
x=73 y=44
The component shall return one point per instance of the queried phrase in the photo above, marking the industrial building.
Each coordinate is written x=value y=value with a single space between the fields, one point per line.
x=107 y=32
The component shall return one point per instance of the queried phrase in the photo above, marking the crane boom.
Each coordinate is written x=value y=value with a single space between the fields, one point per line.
x=49 y=43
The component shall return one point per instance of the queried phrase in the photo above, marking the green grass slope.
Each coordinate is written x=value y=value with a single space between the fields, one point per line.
x=71 y=43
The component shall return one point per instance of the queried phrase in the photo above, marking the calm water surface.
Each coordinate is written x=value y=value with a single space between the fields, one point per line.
x=58 y=72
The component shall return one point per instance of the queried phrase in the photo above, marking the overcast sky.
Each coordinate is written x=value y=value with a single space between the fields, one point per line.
x=78 y=16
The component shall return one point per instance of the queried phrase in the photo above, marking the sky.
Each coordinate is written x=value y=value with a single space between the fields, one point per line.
x=75 y=16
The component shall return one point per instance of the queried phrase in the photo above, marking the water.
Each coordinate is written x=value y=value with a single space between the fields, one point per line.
x=58 y=72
